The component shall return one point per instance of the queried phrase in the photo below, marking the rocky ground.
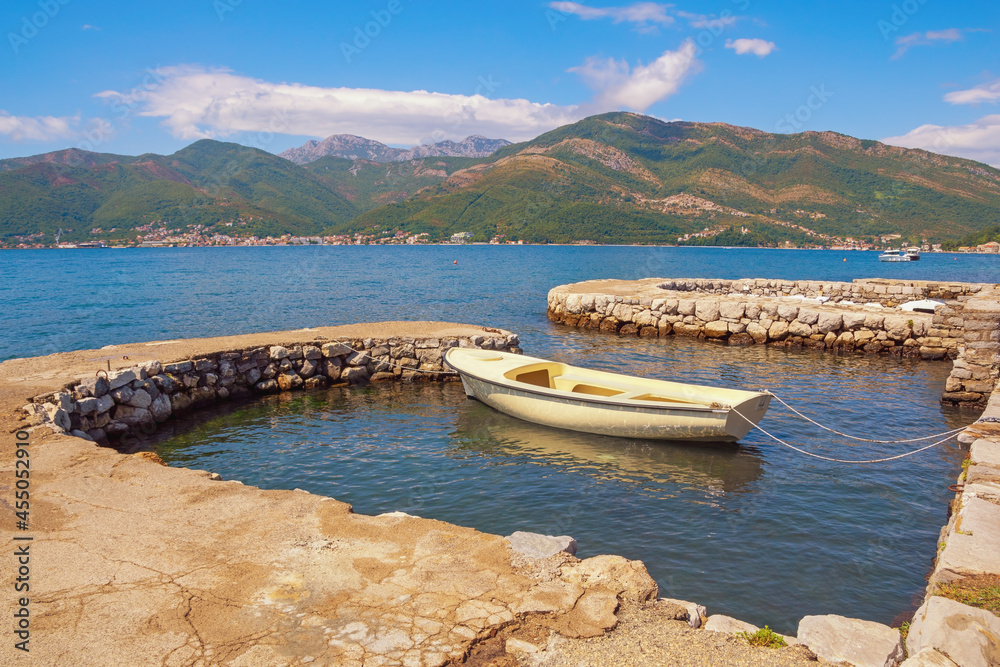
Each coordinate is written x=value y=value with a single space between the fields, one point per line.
x=650 y=635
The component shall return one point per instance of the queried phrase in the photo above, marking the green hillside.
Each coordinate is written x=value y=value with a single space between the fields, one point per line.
x=613 y=178
x=207 y=184
x=368 y=184
x=608 y=179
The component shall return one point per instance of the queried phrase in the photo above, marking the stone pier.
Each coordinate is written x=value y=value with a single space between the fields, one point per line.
x=863 y=316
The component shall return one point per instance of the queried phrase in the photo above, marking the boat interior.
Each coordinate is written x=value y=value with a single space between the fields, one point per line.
x=561 y=377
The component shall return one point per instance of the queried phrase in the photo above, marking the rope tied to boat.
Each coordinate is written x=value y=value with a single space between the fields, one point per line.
x=854 y=437
x=835 y=460
x=948 y=435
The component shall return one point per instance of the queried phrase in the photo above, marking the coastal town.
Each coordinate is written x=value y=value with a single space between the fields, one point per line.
x=155 y=235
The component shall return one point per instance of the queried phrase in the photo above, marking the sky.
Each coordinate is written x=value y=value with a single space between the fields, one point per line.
x=138 y=77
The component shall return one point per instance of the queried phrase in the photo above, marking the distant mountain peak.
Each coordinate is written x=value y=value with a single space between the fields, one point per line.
x=353 y=147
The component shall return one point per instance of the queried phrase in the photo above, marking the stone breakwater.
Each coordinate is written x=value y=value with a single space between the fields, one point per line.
x=109 y=406
x=861 y=316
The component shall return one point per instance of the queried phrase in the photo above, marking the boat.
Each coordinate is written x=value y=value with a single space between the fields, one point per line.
x=579 y=399
x=894 y=256
x=913 y=254
x=922 y=305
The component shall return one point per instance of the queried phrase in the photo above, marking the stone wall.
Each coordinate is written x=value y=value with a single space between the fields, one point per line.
x=966 y=328
x=977 y=365
x=968 y=555
x=867 y=290
x=108 y=406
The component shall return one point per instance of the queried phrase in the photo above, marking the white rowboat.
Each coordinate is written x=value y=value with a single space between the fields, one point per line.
x=579 y=399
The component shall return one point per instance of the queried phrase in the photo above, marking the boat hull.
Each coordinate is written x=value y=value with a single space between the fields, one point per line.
x=619 y=419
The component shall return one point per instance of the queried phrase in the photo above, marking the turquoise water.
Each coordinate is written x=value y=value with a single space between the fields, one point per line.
x=754 y=530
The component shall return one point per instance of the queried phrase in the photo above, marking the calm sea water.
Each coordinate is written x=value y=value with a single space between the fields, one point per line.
x=752 y=530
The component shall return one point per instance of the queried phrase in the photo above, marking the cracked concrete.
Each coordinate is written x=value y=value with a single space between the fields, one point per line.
x=137 y=563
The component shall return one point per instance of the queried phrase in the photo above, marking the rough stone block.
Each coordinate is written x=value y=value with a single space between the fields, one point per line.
x=967 y=635
x=160 y=408
x=827 y=322
x=808 y=316
x=696 y=612
x=984 y=452
x=861 y=643
x=355 y=375
x=717 y=329
x=140 y=399
x=537 y=545
x=778 y=331
x=973 y=543
x=289 y=381
x=121 y=378
x=732 y=309
x=788 y=312
x=757 y=332
x=131 y=416
x=797 y=328
x=706 y=310
x=179 y=368
x=122 y=394
x=728 y=624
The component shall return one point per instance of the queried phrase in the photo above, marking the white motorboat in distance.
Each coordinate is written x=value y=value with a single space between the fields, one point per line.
x=579 y=399
x=895 y=256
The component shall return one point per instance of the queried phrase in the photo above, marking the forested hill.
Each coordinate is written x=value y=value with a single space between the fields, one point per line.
x=613 y=178
x=623 y=177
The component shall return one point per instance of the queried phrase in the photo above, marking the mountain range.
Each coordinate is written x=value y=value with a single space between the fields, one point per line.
x=358 y=148
x=613 y=178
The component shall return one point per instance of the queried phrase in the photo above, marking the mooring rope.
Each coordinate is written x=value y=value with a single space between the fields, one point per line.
x=829 y=458
x=854 y=437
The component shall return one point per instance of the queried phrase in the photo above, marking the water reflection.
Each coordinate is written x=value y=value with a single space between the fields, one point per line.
x=657 y=467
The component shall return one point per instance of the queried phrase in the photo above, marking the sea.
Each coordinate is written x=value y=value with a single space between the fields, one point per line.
x=753 y=530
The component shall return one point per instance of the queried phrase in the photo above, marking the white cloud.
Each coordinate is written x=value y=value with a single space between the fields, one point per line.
x=196 y=103
x=758 y=47
x=39 y=128
x=87 y=26
x=979 y=140
x=905 y=42
x=641 y=13
x=619 y=87
x=986 y=92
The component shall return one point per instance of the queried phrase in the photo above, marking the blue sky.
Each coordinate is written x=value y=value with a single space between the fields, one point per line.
x=153 y=77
